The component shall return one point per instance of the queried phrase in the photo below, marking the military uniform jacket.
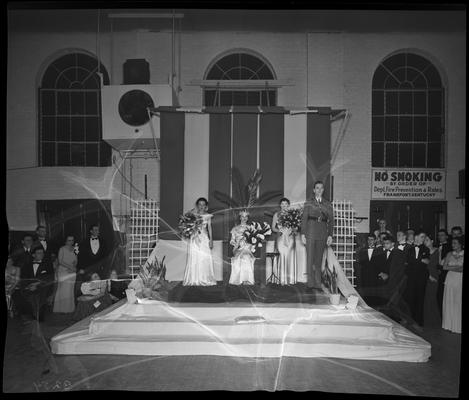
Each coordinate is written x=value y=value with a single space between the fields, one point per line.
x=318 y=219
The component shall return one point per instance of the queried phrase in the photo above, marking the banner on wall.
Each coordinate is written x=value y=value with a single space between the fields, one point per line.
x=408 y=184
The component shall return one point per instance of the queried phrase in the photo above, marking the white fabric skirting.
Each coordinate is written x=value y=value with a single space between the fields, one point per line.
x=289 y=330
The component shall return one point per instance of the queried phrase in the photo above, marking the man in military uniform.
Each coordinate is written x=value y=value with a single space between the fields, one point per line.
x=316 y=232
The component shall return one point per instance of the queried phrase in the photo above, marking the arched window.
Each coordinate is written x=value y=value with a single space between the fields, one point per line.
x=407 y=113
x=70 y=113
x=237 y=67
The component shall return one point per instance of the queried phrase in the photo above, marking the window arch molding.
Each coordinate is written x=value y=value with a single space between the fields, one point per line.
x=240 y=50
x=240 y=77
x=408 y=111
x=69 y=110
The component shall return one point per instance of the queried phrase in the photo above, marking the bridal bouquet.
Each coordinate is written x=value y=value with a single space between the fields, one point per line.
x=291 y=218
x=256 y=233
x=190 y=224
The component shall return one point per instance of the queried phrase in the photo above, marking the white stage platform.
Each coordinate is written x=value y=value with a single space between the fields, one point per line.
x=295 y=330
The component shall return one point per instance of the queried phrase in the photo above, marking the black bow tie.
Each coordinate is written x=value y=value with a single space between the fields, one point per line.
x=371 y=247
x=94 y=238
x=36 y=262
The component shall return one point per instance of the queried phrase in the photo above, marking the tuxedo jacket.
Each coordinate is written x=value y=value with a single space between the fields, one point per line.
x=394 y=265
x=51 y=248
x=446 y=248
x=86 y=259
x=369 y=267
x=415 y=264
x=20 y=257
x=45 y=273
x=313 y=229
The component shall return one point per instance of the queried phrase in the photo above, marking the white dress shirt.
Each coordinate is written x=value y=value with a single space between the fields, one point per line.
x=417 y=252
x=370 y=253
x=94 y=245
x=36 y=267
x=388 y=252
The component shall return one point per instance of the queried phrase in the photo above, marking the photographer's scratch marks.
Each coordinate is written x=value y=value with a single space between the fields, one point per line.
x=51 y=386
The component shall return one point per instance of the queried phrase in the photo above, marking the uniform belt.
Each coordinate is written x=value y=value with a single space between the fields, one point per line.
x=318 y=219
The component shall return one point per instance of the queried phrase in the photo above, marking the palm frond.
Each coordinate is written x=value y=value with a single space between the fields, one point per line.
x=252 y=187
x=265 y=197
x=225 y=199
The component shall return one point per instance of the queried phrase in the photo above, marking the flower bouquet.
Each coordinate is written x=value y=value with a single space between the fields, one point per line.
x=291 y=219
x=256 y=233
x=190 y=224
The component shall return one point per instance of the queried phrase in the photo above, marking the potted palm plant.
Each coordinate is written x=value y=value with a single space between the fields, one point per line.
x=329 y=279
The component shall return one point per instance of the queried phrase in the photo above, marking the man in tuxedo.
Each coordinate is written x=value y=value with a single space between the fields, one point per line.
x=22 y=254
x=91 y=256
x=41 y=240
x=444 y=247
x=410 y=236
x=389 y=270
x=316 y=232
x=418 y=258
x=36 y=284
x=367 y=262
x=401 y=242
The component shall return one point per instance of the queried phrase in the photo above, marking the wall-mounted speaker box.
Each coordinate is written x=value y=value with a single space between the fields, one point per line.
x=125 y=119
x=462 y=183
x=136 y=72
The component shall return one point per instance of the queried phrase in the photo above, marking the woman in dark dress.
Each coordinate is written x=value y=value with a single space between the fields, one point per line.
x=431 y=314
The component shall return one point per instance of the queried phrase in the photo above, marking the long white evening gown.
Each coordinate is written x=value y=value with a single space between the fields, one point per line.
x=242 y=263
x=199 y=265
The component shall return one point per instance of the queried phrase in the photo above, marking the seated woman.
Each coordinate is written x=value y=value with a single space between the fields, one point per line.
x=242 y=263
x=95 y=297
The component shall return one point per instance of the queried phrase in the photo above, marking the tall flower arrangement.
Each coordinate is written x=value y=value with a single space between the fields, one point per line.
x=256 y=234
x=329 y=279
x=190 y=224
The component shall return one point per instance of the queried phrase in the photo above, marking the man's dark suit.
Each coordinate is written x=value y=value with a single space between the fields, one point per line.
x=417 y=276
x=20 y=257
x=445 y=249
x=317 y=224
x=33 y=302
x=92 y=262
x=368 y=274
x=48 y=251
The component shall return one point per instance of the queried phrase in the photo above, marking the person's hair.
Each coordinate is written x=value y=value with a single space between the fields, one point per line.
x=400 y=231
x=36 y=248
x=419 y=232
x=430 y=237
x=201 y=199
x=456 y=228
x=388 y=237
x=443 y=230
x=89 y=275
x=381 y=219
x=383 y=233
x=371 y=234
x=39 y=227
x=27 y=235
x=317 y=183
x=459 y=240
x=284 y=199
x=410 y=229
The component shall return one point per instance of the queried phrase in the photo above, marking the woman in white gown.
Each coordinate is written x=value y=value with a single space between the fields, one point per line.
x=452 y=296
x=199 y=265
x=242 y=263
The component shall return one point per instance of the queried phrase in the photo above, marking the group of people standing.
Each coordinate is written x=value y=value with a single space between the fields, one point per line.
x=425 y=272
x=300 y=251
x=40 y=273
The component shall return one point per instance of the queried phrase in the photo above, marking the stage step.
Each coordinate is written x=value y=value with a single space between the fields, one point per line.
x=195 y=329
